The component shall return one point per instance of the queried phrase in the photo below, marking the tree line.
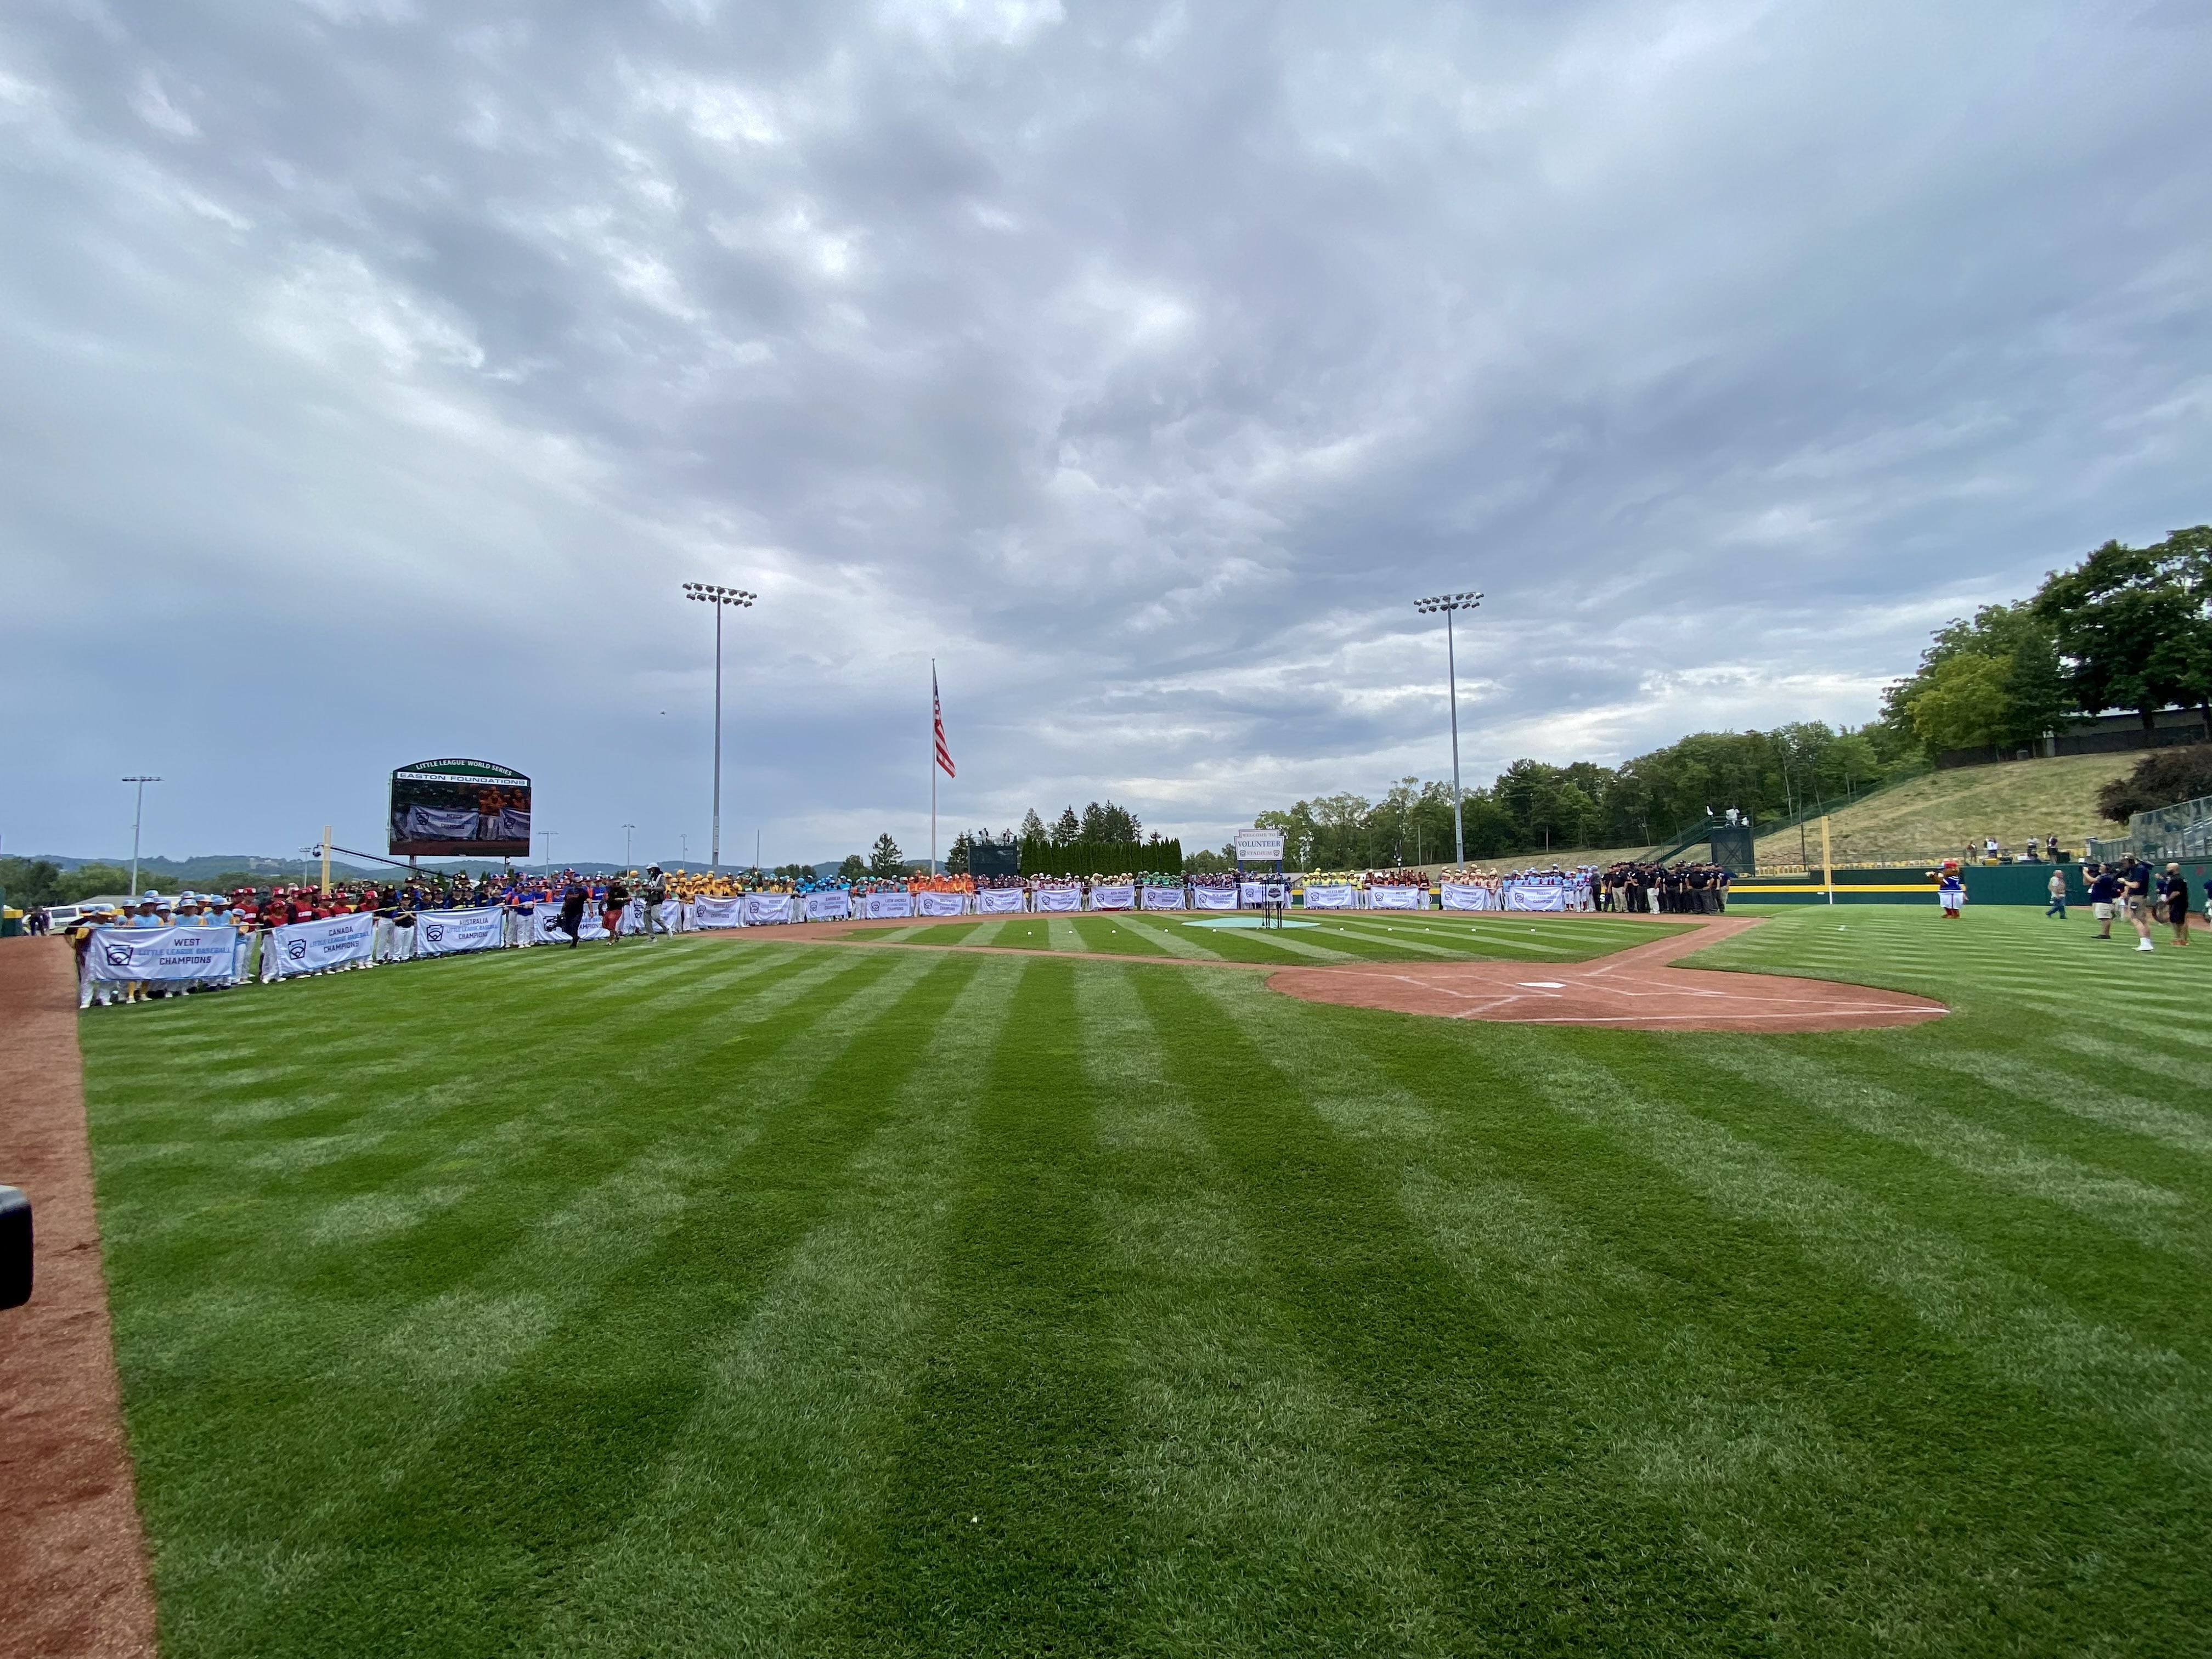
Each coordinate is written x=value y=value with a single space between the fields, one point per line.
x=2127 y=628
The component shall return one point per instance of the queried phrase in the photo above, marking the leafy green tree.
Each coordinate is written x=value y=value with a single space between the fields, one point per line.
x=29 y=883
x=853 y=868
x=955 y=856
x=2165 y=777
x=2034 y=698
x=1967 y=703
x=885 y=861
x=2125 y=622
x=1066 y=828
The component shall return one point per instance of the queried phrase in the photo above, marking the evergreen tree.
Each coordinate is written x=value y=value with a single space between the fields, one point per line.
x=853 y=868
x=1068 y=828
x=1032 y=827
x=886 y=861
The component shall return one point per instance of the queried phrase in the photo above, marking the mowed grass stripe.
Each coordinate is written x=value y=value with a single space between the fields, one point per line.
x=1824 y=1452
x=1471 y=1436
x=2019 y=1333
x=1159 y=941
x=503 y=1469
x=1256 y=1513
x=1004 y=1529
x=1748 y=1435
x=782 y=1461
x=409 y=1212
x=2137 y=1210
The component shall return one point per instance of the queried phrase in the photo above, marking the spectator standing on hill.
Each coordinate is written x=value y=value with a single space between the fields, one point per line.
x=2056 y=888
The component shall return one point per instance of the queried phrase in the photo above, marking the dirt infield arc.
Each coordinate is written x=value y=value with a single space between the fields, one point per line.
x=1635 y=989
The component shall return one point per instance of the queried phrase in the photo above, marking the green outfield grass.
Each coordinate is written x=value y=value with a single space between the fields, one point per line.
x=1325 y=937
x=767 y=1298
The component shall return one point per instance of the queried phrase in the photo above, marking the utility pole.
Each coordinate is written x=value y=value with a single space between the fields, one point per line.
x=720 y=598
x=137 y=818
x=1447 y=602
x=628 y=829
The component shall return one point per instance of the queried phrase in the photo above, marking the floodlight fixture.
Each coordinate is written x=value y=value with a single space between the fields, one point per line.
x=1447 y=604
x=720 y=597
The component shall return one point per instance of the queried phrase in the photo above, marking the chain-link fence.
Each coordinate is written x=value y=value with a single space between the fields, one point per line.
x=2180 y=831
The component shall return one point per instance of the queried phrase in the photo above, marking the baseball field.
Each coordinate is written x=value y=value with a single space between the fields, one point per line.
x=738 y=1297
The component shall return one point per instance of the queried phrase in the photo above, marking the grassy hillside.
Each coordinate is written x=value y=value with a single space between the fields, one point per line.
x=1939 y=814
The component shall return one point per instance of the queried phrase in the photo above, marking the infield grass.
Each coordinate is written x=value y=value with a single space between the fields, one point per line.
x=785 y=1299
x=1318 y=937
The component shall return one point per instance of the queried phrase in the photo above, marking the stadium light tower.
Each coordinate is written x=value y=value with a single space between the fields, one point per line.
x=1449 y=603
x=138 y=817
x=627 y=830
x=720 y=599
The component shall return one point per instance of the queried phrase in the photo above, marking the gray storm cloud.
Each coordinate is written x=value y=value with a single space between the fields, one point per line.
x=375 y=373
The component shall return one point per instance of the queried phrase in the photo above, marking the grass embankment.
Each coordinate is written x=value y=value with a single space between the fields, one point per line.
x=1940 y=813
x=1934 y=816
x=801 y=1300
x=1322 y=936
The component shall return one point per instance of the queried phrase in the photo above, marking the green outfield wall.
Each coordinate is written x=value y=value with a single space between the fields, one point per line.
x=1986 y=884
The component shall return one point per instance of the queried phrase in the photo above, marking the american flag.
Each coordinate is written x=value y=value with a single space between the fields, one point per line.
x=936 y=717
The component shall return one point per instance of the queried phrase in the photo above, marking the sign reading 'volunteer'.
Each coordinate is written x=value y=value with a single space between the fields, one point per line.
x=1258 y=846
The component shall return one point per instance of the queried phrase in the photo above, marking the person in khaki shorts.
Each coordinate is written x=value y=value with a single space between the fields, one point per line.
x=2104 y=894
x=2056 y=888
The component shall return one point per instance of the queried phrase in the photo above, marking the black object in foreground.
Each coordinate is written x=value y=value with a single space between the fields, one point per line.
x=14 y=1248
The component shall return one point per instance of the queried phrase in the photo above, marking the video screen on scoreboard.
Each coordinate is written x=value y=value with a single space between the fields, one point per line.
x=459 y=808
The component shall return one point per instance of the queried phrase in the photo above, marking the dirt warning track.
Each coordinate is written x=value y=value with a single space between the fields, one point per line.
x=73 y=1576
x=1635 y=989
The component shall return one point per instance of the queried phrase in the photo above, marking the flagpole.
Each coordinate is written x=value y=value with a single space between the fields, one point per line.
x=933 y=766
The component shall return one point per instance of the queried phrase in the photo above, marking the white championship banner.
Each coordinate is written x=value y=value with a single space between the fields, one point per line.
x=998 y=901
x=1535 y=896
x=885 y=907
x=834 y=906
x=1213 y=898
x=1160 y=898
x=1056 y=898
x=545 y=925
x=159 y=954
x=1122 y=897
x=448 y=932
x=1466 y=895
x=1397 y=898
x=1332 y=896
x=305 y=947
x=718 y=913
x=761 y=909
x=928 y=903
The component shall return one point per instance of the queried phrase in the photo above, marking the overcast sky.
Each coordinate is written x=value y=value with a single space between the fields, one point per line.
x=373 y=373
